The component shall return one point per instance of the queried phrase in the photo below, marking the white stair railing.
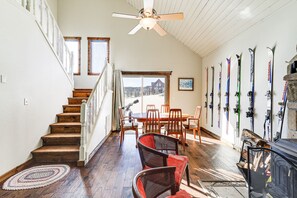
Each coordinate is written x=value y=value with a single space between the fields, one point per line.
x=49 y=27
x=90 y=111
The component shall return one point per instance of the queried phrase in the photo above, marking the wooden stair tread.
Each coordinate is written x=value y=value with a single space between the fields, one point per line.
x=83 y=90
x=66 y=124
x=57 y=149
x=72 y=105
x=79 y=98
x=62 y=135
x=68 y=114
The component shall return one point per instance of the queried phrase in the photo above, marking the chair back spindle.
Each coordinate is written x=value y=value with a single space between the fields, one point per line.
x=175 y=122
x=175 y=125
x=165 y=108
x=150 y=106
x=152 y=124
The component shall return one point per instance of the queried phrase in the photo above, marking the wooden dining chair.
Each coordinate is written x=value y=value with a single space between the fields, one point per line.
x=175 y=126
x=165 y=108
x=150 y=106
x=193 y=123
x=152 y=123
x=127 y=123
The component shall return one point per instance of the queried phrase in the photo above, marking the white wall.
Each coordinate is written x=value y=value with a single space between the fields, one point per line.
x=102 y=126
x=33 y=72
x=53 y=4
x=279 y=29
x=141 y=52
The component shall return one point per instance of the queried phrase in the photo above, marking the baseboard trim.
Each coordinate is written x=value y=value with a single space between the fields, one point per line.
x=15 y=170
x=80 y=163
x=210 y=133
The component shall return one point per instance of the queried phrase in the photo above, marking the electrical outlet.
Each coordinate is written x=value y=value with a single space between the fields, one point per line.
x=26 y=102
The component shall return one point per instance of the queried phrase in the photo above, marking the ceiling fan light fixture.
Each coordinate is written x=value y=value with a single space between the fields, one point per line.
x=148 y=23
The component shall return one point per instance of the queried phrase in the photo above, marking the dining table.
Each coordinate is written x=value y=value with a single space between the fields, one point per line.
x=141 y=117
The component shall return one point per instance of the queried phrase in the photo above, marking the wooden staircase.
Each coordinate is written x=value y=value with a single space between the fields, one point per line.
x=62 y=144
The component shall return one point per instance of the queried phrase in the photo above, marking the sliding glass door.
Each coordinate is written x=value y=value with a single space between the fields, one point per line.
x=148 y=89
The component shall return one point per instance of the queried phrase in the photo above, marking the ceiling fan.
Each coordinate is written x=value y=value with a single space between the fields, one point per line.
x=148 y=18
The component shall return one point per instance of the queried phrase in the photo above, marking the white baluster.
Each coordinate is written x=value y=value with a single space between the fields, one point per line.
x=83 y=139
x=47 y=20
x=34 y=7
x=24 y=3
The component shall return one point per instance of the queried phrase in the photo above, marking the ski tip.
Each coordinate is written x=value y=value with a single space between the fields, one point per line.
x=252 y=50
x=271 y=49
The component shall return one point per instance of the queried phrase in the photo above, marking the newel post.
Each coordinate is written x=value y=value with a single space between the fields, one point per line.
x=83 y=139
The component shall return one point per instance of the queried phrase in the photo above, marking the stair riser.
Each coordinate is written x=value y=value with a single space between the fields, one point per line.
x=70 y=118
x=76 y=100
x=71 y=109
x=56 y=157
x=65 y=129
x=61 y=141
x=81 y=94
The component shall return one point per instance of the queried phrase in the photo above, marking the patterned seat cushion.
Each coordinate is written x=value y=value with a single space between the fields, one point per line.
x=148 y=141
x=141 y=188
x=180 y=162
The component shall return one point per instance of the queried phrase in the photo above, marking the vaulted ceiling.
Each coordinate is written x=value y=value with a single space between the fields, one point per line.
x=208 y=24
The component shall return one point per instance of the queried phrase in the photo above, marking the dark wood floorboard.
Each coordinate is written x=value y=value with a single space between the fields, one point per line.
x=110 y=172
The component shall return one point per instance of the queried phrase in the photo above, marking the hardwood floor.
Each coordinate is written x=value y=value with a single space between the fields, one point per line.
x=110 y=172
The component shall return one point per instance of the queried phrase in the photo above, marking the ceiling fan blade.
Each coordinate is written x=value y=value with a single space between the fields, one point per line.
x=173 y=16
x=148 y=4
x=159 y=30
x=134 y=30
x=127 y=16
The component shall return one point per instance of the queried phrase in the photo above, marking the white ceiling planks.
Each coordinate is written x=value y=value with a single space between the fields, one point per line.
x=208 y=24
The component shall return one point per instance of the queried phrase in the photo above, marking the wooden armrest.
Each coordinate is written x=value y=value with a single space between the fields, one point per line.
x=128 y=118
x=191 y=118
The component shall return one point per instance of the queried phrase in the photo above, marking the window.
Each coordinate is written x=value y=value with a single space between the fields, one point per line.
x=147 y=87
x=98 y=54
x=73 y=44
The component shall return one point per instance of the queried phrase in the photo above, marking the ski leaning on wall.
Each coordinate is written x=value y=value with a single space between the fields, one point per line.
x=206 y=95
x=269 y=95
x=227 y=94
x=219 y=96
x=251 y=93
x=281 y=113
x=211 y=95
x=237 y=95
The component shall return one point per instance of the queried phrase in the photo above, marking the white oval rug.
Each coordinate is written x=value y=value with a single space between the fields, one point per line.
x=36 y=177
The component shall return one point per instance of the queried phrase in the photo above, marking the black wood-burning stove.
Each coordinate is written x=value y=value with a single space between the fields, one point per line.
x=272 y=172
x=284 y=176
